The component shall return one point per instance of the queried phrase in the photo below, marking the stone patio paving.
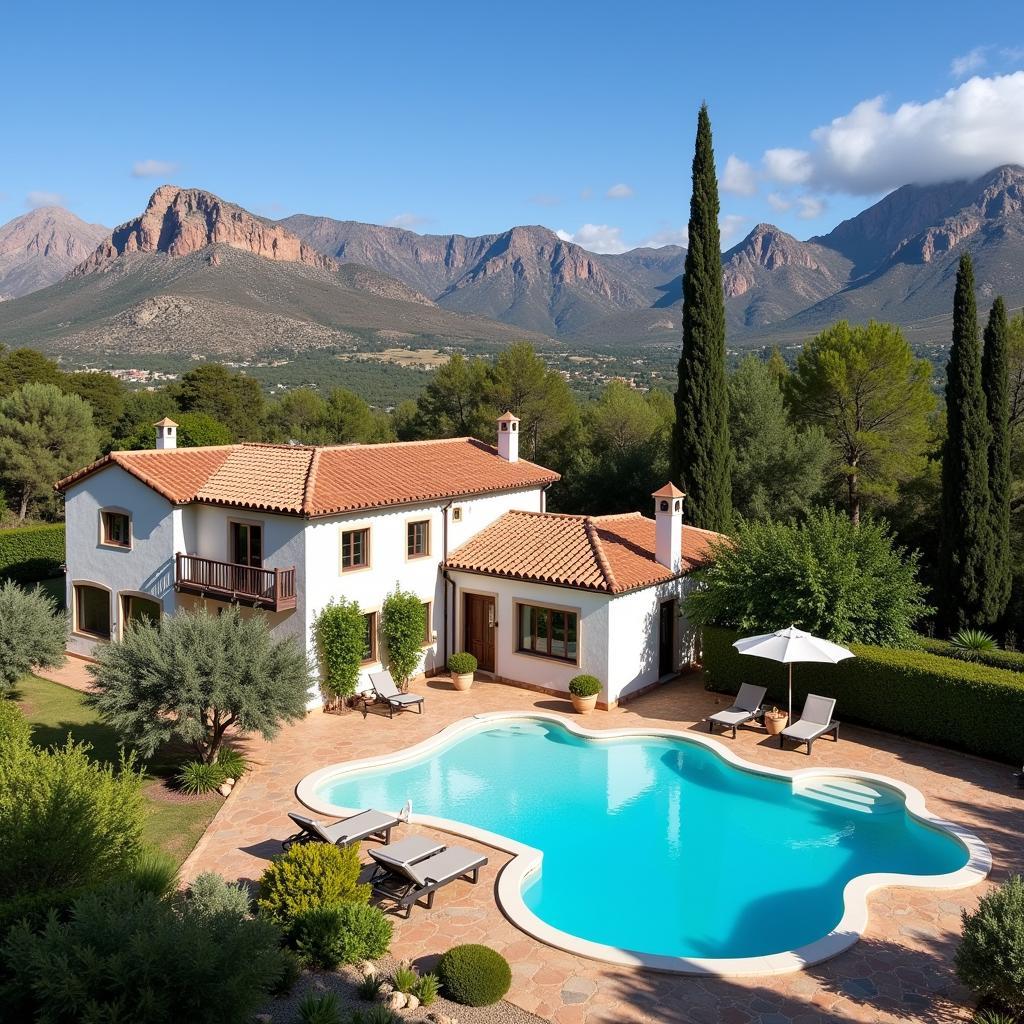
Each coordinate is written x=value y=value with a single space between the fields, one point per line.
x=899 y=971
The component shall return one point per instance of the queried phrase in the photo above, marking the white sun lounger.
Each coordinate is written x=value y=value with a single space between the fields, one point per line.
x=746 y=707
x=407 y=884
x=815 y=721
x=409 y=850
x=365 y=825
x=385 y=688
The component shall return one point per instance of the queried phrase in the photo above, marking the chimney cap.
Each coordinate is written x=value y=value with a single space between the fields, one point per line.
x=508 y=417
x=669 y=491
x=165 y=422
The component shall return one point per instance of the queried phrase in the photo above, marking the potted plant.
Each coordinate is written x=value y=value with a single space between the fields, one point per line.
x=775 y=721
x=584 y=691
x=462 y=665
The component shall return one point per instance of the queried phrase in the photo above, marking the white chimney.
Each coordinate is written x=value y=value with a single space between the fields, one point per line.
x=508 y=437
x=668 y=530
x=166 y=433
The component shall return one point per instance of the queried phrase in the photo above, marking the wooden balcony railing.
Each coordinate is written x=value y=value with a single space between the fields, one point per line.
x=273 y=589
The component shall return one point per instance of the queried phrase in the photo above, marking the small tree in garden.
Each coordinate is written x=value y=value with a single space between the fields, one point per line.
x=32 y=633
x=403 y=626
x=846 y=583
x=990 y=957
x=340 y=633
x=194 y=676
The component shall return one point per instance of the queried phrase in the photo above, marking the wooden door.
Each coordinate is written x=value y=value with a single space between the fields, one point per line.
x=667 y=638
x=478 y=617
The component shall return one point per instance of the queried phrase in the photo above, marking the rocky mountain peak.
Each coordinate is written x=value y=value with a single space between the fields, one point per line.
x=767 y=248
x=178 y=221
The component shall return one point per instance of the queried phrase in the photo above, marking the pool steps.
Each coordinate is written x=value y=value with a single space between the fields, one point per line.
x=849 y=794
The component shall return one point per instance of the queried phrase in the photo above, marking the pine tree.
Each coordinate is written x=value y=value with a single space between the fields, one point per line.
x=966 y=521
x=995 y=383
x=700 y=457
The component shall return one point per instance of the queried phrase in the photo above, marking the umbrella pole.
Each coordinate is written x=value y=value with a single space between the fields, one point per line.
x=791 y=693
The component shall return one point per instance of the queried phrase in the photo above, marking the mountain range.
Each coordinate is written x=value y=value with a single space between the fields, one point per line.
x=194 y=273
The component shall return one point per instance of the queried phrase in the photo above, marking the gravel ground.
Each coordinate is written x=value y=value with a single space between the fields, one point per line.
x=343 y=983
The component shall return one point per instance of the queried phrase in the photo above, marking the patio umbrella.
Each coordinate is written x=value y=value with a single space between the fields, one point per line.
x=789 y=645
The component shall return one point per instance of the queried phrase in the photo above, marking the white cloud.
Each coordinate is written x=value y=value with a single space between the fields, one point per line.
x=739 y=177
x=729 y=226
x=619 y=191
x=409 y=221
x=809 y=207
x=968 y=63
x=779 y=203
x=153 y=168
x=965 y=132
x=36 y=199
x=601 y=238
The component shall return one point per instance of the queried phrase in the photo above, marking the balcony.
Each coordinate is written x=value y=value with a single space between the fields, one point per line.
x=272 y=589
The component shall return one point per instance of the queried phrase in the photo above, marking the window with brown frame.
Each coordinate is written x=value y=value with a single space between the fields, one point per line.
x=92 y=611
x=428 y=633
x=116 y=528
x=355 y=549
x=369 y=637
x=417 y=539
x=551 y=632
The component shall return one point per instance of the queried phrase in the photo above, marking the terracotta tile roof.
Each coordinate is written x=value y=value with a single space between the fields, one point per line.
x=319 y=481
x=611 y=554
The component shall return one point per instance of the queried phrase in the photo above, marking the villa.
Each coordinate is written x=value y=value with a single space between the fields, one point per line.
x=537 y=597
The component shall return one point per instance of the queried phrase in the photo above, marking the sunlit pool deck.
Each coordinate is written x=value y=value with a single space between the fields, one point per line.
x=899 y=970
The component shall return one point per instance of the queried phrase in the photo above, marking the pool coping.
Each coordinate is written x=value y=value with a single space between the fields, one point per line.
x=527 y=859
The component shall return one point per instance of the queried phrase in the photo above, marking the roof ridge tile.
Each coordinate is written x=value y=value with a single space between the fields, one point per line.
x=602 y=559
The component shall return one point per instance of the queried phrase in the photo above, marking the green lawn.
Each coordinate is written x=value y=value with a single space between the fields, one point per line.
x=57 y=712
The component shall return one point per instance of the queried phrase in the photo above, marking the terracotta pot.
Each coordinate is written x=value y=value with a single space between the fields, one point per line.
x=462 y=680
x=584 y=705
x=775 y=722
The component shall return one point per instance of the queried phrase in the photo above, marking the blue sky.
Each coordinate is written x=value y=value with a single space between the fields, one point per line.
x=471 y=117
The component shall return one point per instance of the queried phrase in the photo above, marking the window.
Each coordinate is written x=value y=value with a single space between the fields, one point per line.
x=92 y=611
x=247 y=544
x=116 y=529
x=140 y=609
x=417 y=539
x=551 y=632
x=428 y=633
x=355 y=549
x=369 y=637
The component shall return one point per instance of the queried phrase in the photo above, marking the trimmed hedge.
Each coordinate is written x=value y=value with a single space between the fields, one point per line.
x=953 y=703
x=1013 y=661
x=29 y=554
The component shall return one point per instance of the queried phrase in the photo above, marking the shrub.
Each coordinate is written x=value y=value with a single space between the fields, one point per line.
x=339 y=631
x=1012 y=660
x=32 y=633
x=125 y=955
x=584 y=686
x=403 y=626
x=320 y=1009
x=156 y=873
x=68 y=821
x=291 y=971
x=343 y=934
x=426 y=989
x=308 y=876
x=969 y=642
x=197 y=777
x=30 y=554
x=461 y=663
x=368 y=987
x=14 y=727
x=948 y=701
x=232 y=763
x=848 y=583
x=474 y=975
x=994 y=1017
x=211 y=894
x=404 y=979
x=374 y=1015
x=990 y=958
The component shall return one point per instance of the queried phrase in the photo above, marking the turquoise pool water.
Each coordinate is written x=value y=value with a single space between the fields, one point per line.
x=657 y=845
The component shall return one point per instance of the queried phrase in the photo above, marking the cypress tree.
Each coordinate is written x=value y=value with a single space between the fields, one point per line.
x=996 y=385
x=700 y=450
x=966 y=520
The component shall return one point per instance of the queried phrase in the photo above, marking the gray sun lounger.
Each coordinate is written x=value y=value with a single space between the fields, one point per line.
x=746 y=707
x=406 y=851
x=407 y=884
x=365 y=825
x=384 y=686
x=815 y=721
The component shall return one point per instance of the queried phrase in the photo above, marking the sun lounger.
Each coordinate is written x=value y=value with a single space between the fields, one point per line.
x=407 y=884
x=365 y=825
x=384 y=686
x=410 y=850
x=815 y=721
x=746 y=707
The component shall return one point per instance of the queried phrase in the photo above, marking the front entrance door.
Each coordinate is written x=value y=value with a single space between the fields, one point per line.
x=478 y=616
x=667 y=639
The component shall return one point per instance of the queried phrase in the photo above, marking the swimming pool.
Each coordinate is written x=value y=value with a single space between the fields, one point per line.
x=664 y=850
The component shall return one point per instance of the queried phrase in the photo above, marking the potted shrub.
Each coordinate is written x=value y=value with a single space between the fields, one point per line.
x=462 y=665
x=775 y=721
x=584 y=691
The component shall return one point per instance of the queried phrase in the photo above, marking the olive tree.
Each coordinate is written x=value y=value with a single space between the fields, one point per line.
x=32 y=633
x=194 y=676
